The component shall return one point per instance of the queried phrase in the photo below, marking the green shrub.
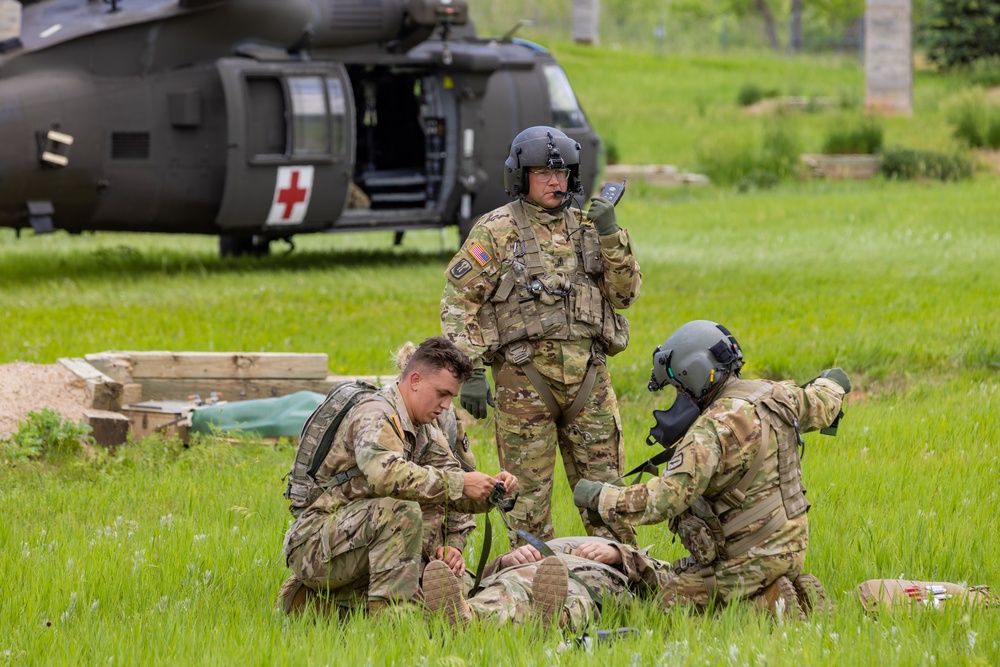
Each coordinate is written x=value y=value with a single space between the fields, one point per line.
x=908 y=164
x=975 y=120
x=750 y=160
x=611 y=155
x=46 y=435
x=985 y=72
x=863 y=137
x=751 y=93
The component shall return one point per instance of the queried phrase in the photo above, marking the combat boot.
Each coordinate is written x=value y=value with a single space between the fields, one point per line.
x=443 y=592
x=295 y=597
x=812 y=595
x=549 y=589
x=780 y=600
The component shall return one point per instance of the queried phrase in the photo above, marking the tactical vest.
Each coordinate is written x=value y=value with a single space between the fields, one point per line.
x=706 y=527
x=530 y=303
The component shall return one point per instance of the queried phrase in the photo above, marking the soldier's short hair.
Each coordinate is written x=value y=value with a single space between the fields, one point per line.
x=436 y=353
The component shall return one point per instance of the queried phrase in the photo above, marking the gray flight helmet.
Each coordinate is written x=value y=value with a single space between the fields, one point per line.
x=541 y=146
x=696 y=358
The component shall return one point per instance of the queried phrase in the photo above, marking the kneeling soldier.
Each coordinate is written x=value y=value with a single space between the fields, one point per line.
x=363 y=536
x=732 y=490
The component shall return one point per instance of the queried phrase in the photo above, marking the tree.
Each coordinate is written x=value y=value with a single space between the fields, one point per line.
x=958 y=32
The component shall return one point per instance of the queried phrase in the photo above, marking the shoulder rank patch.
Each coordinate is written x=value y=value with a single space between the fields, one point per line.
x=460 y=268
x=398 y=426
x=479 y=253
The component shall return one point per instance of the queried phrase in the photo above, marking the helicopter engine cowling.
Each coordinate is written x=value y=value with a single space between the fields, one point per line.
x=340 y=23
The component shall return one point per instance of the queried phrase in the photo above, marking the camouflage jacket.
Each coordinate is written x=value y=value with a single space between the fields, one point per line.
x=441 y=526
x=490 y=252
x=715 y=452
x=398 y=459
x=638 y=574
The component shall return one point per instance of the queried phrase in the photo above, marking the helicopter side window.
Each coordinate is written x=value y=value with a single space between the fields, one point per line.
x=338 y=109
x=310 y=132
x=566 y=112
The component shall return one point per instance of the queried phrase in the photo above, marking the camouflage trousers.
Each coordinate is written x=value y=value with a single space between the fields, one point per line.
x=735 y=579
x=528 y=438
x=506 y=596
x=371 y=545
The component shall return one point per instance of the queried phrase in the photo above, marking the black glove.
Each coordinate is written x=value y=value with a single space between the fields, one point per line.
x=839 y=376
x=602 y=212
x=587 y=494
x=475 y=394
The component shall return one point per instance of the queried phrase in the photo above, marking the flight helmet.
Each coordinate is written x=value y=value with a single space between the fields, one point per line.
x=696 y=359
x=541 y=146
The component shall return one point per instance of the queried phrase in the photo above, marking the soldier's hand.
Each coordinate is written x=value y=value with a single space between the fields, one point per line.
x=839 y=376
x=600 y=553
x=508 y=480
x=478 y=485
x=475 y=394
x=587 y=493
x=520 y=556
x=452 y=557
x=602 y=212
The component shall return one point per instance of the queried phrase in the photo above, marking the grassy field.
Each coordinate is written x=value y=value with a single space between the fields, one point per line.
x=168 y=555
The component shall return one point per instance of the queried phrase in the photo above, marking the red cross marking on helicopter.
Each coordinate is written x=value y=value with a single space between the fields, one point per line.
x=291 y=196
x=292 y=192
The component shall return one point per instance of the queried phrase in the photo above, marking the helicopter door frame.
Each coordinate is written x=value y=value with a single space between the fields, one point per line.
x=290 y=145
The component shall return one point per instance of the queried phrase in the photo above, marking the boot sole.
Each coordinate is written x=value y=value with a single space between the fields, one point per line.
x=443 y=592
x=549 y=589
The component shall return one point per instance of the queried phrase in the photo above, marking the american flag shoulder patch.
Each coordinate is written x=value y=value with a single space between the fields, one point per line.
x=479 y=253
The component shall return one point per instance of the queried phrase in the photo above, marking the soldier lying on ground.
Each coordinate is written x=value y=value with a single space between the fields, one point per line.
x=523 y=582
x=363 y=536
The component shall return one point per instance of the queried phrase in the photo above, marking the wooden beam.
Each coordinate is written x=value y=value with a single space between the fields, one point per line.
x=104 y=392
x=230 y=365
x=164 y=389
x=110 y=429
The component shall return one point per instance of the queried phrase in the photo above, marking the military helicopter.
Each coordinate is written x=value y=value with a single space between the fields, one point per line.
x=256 y=120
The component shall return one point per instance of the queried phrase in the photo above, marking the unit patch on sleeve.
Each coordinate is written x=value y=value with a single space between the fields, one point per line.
x=479 y=253
x=460 y=268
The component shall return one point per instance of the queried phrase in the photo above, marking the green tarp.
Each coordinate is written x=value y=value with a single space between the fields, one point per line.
x=267 y=417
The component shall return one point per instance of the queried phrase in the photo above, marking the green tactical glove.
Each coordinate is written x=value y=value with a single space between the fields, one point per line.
x=475 y=394
x=839 y=376
x=587 y=493
x=602 y=212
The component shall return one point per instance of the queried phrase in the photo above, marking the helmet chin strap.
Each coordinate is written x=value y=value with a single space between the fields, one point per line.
x=707 y=399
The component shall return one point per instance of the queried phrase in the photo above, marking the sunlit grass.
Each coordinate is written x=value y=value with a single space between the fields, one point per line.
x=169 y=555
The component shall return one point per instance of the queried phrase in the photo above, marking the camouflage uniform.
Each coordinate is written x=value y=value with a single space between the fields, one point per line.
x=562 y=348
x=505 y=595
x=367 y=535
x=441 y=526
x=715 y=452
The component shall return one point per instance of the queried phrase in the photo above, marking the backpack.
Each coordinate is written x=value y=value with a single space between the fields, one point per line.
x=314 y=444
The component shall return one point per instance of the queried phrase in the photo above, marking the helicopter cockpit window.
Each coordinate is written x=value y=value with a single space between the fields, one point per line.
x=566 y=112
x=338 y=109
x=310 y=131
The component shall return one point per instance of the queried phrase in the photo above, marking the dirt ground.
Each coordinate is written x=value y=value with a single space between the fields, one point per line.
x=28 y=388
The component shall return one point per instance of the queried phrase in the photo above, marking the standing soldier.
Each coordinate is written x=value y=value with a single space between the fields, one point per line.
x=533 y=292
x=364 y=535
x=733 y=490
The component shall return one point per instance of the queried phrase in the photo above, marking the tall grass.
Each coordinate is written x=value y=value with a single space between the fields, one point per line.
x=165 y=554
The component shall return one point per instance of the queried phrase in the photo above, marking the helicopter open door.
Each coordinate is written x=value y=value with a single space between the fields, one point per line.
x=290 y=145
